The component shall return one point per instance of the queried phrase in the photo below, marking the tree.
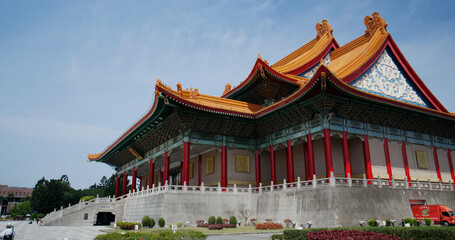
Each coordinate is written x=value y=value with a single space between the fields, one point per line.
x=21 y=209
x=52 y=194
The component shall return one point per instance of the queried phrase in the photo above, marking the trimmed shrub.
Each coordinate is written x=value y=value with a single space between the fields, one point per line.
x=408 y=233
x=227 y=225
x=232 y=220
x=348 y=234
x=408 y=220
x=152 y=223
x=146 y=221
x=40 y=215
x=167 y=234
x=179 y=224
x=219 y=220
x=372 y=223
x=269 y=226
x=200 y=222
x=203 y=225
x=127 y=225
x=215 y=226
x=277 y=237
x=415 y=222
x=427 y=221
x=211 y=220
x=161 y=222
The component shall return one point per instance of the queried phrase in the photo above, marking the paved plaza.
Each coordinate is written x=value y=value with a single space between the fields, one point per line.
x=26 y=231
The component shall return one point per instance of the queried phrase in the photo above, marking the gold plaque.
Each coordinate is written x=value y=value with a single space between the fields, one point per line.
x=191 y=170
x=242 y=163
x=209 y=165
x=422 y=159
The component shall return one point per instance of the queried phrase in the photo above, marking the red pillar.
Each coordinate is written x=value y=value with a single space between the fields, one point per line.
x=449 y=157
x=116 y=186
x=166 y=168
x=181 y=173
x=257 y=159
x=436 y=162
x=346 y=156
x=311 y=166
x=305 y=159
x=224 y=166
x=366 y=157
x=151 y=172
x=125 y=181
x=133 y=185
x=186 y=163
x=328 y=153
x=272 y=165
x=199 y=167
x=387 y=158
x=289 y=162
x=405 y=160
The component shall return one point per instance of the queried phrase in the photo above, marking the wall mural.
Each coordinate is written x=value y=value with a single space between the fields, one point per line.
x=385 y=79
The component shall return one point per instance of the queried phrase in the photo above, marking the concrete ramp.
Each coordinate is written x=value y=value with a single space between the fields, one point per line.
x=81 y=214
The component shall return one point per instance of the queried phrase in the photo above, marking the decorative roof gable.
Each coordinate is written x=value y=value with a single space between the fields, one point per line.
x=385 y=78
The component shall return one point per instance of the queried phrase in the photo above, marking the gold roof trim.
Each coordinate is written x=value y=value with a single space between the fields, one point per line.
x=358 y=54
x=211 y=101
x=307 y=56
x=93 y=156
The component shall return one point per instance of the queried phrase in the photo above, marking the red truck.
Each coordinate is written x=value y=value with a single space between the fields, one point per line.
x=440 y=214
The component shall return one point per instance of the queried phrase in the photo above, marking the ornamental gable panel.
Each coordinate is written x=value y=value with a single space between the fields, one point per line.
x=386 y=78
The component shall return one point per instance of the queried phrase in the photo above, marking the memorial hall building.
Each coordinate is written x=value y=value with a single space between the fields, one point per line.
x=325 y=111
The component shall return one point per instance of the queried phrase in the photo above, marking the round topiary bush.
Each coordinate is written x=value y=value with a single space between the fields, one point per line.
x=211 y=220
x=152 y=223
x=232 y=220
x=427 y=221
x=219 y=220
x=408 y=220
x=161 y=222
x=146 y=221
x=372 y=223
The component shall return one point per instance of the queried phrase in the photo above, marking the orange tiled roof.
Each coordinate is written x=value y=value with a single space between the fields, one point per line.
x=304 y=54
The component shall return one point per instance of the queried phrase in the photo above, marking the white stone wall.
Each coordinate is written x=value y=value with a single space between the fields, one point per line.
x=377 y=156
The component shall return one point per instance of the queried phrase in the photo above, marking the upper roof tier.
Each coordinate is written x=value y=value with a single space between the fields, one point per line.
x=371 y=67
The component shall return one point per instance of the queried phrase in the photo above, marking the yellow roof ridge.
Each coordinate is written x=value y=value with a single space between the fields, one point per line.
x=93 y=156
x=306 y=56
x=351 y=60
x=296 y=53
x=195 y=97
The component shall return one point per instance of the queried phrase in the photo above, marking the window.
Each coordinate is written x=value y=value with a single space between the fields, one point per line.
x=85 y=216
x=445 y=214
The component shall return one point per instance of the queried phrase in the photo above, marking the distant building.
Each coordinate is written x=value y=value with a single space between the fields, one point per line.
x=11 y=196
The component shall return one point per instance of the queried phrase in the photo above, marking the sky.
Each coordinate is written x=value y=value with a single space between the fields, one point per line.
x=74 y=75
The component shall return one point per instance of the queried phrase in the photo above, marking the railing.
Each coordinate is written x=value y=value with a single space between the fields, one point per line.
x=309 y=184
x=294 y=186
x=76 y=207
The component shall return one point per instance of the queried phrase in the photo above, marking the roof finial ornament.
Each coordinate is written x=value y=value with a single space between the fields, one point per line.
x=227 y=88
x=179 y=87
x=374 y=23
x=259 y=56
x=323 y=28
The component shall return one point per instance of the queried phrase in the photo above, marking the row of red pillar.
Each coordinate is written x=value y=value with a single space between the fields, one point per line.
x=308 y=159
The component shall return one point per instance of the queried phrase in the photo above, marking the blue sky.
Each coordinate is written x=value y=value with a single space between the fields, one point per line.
x=74 y=75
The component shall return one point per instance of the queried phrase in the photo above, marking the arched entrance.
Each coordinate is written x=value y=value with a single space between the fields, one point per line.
x=104 y=218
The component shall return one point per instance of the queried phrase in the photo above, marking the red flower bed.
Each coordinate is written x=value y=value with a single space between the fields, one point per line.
x=215 y=226
x=203 y=225
x=227 y=225
x=269 y=226
x=349 y=234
